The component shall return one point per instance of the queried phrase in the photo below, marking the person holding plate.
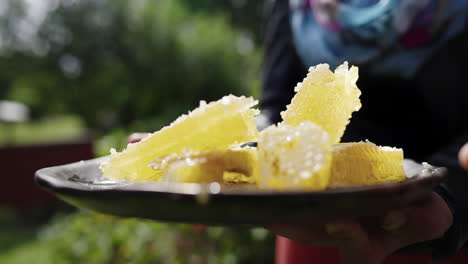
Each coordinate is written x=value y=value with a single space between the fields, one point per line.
x=412 y=58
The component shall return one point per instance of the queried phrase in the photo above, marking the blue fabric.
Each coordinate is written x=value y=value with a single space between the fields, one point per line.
x=396 y=36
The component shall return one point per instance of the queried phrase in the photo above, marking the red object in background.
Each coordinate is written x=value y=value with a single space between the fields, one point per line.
x=19 y=163
x=290 y=252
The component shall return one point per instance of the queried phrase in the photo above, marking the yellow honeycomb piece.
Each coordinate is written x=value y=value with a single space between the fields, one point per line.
x=294 y=157
x=365 y=163
x=228 y=166
x=325 y=98
x=215 y=126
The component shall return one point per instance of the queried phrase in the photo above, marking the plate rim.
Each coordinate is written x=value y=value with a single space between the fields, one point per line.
x=45 y=178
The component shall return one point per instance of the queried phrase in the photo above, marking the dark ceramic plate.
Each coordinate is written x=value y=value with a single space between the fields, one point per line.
x=82 y=185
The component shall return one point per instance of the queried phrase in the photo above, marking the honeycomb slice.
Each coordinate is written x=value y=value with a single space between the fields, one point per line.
x=214 y=126
x=365 y=163
x=294 y=157
x=325 y=98
x=228 y=166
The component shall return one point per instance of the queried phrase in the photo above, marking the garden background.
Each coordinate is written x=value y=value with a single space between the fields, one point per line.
x=76 y=77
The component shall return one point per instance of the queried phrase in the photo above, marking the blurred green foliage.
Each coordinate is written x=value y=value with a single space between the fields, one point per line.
x=245 y=14
x=121 y=66
x=121 y=63
x=91 y=238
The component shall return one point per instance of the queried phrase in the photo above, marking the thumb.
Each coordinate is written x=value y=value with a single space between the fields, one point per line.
x=463 y=156
x=423 y=222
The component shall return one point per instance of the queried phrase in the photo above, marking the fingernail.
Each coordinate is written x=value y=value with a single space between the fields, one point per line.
x=393 y=220
x=135 y=137
x=333 y=229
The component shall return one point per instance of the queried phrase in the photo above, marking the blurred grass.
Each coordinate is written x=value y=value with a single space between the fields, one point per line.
x=18 y=242
x=86 y=237
x=28 y=252
x=51 y=129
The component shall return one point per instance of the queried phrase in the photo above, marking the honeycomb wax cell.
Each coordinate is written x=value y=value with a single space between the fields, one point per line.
x=215 y=126
x=365 y=163
x=325 y=98
x=294 y=157
x=228 y=166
